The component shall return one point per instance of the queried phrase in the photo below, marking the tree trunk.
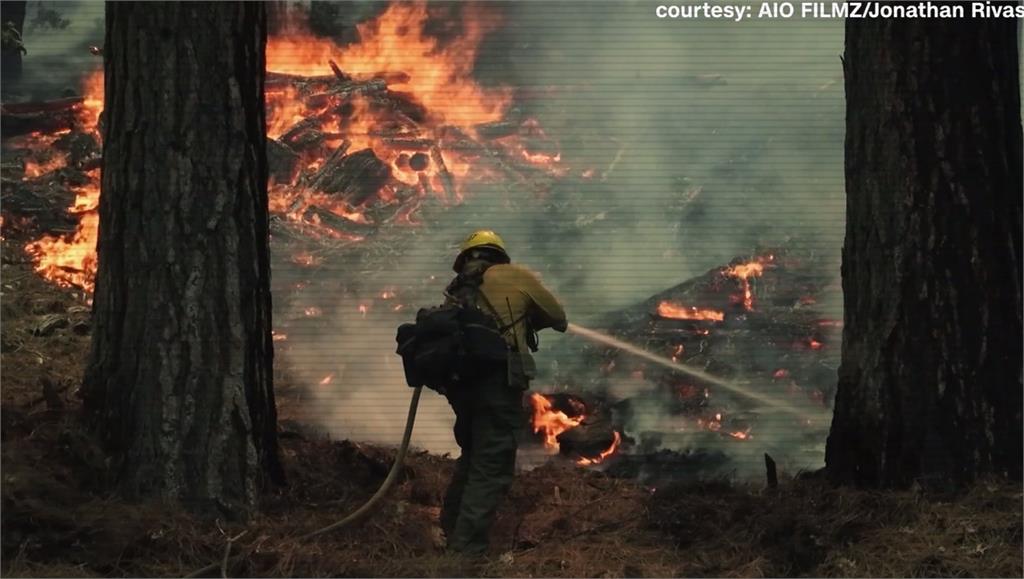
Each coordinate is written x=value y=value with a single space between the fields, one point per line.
x=10 y=59
x=930 y=381
x=179 y=381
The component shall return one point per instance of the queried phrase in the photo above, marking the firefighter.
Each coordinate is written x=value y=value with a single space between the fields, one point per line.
x=489 y=411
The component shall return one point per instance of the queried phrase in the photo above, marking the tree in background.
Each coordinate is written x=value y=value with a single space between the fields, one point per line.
x=179 y=381
x=12 y=23
x=930 y=381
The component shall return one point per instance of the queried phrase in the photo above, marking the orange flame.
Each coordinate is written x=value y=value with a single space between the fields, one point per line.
x=744 y=272
x=71 y=262
x=551 y=422
x=676 y=311
x=88 y=113
x=605 y=453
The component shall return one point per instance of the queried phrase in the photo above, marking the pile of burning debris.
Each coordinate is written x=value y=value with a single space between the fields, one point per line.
x=360 y=138
x=755 y=322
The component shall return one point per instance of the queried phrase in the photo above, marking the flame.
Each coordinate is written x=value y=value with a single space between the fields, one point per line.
x=278 y=337
x=395 y=51
x=676 y=311
x=395 y=42
x=605 y=453
x=71 y=262
x=88 y=113
x=551 y=422
x=744 y=272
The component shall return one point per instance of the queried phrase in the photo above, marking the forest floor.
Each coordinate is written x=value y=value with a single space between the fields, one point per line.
x=560 y=520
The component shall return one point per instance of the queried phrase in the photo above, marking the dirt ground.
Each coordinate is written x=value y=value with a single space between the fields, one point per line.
x=560 y=520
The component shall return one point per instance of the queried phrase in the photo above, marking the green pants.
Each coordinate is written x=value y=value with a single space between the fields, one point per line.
x=488 y=413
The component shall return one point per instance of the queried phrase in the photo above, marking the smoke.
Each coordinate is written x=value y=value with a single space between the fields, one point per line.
x=702 y=141
x=57 y=36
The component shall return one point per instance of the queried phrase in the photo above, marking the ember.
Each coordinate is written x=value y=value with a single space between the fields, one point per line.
x=678 y=312
x=743 y=272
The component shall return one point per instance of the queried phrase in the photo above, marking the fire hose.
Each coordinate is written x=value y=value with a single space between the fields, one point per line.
x=356 y=515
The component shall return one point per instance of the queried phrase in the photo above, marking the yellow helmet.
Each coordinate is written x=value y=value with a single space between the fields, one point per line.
x=480 y=238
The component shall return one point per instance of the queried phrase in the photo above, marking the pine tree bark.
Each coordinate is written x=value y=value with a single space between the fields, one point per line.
x=179 y=383
x=930 y=381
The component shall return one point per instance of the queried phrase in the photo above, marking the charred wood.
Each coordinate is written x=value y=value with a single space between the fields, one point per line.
x=331 y=220
x=496 y=130
x=15 y=124
x=447 y=181
x=356 y=177
x=282 y=161
x=63 y=104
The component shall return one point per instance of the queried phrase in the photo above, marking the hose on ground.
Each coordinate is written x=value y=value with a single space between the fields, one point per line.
x=359 y=513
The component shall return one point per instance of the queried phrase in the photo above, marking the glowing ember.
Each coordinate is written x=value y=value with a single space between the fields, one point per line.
x=326 y=379
x=815 y=344
x=312 y=311
x=678 y=352
x=305 y=259
x=551 y=422
x=604 y=454
x=780 y=373
x=363 y=308
x=387 y=295
x=279 y=337
x=35 y=169
x=741 y=435
x=679 y=312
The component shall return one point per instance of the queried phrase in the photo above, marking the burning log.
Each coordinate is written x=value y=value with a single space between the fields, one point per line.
x=16 y=124
x=409 y=144
x=282 y=161
x=496 y=129
x=419 y=162
x=447 y=181
x=402 y=102
x=79 y=146
x=63 y=104
x=330 y=164
x=356 y=177
x=590 y=438
x=329 y=219
x=337 y=72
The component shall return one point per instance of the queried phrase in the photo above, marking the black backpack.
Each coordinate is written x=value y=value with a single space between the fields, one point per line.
x=451 y=344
